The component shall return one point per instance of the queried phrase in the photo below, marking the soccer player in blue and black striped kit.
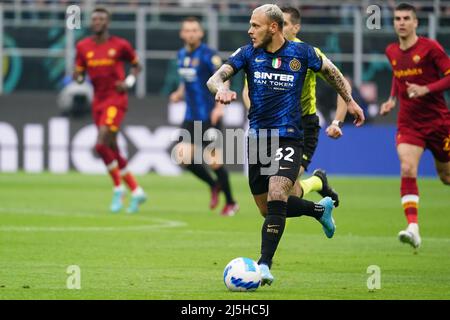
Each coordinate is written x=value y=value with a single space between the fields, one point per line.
x=196 y=63
x=276 y=69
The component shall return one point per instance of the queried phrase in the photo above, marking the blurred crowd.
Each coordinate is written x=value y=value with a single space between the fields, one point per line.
x=343 y=6
x=343 y=9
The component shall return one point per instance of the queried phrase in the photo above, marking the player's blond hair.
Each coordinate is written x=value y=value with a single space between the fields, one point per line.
x=273 y=12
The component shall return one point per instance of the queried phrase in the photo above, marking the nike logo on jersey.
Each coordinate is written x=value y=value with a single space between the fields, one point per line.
x=259 y=60
x=284 y=168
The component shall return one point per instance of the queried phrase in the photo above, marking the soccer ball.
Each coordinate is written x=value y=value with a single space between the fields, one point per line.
x=242 y=274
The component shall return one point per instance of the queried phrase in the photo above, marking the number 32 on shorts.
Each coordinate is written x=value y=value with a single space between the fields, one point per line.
x=286 y=155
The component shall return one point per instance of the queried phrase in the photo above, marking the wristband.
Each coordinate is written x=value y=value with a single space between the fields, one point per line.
x=80 y=79
x=130 y=81
x=337 y=123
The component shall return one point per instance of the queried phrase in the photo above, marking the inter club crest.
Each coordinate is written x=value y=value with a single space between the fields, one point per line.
x=195 y=62
x=295 y=65
x=112 y=52
x=216 y=61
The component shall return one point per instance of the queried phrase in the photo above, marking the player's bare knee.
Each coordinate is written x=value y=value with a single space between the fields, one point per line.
x=102 y=139
x=184 y=161
x=102 y=136
x=408 y=169
x=215 y=166
x=182 y=154
x=297 y=190
x=277 y=193
x=177 y=155
x=445 y=178
x=279 y=188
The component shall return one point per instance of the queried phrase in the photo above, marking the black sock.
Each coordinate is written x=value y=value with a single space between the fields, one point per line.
x=272 y=230
x=297 y=207
x=201 y=172
x=222 y=177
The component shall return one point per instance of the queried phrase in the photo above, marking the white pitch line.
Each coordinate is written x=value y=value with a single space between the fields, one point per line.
x=169 y=224
x=318 y=235
x=77 y=214
x=160 y=223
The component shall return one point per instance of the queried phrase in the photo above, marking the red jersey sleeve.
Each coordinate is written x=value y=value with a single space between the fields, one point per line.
x=440 y=58
x=393 y=88
x=80 y=61
x=128 y=53
x=442 y=61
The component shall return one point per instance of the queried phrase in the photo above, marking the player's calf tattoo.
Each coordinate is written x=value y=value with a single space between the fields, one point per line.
x=279 y=188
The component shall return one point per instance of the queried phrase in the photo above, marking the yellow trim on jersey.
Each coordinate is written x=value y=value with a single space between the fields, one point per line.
x=447 y=72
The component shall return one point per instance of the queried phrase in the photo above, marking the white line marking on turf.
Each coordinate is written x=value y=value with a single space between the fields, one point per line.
x=309 y=235
x=158 y=223
x=168 y=224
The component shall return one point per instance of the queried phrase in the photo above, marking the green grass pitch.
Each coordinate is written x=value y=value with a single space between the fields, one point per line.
x=176 y=248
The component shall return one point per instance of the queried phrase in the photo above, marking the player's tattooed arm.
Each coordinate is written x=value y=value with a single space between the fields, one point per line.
x=335 y=78
x=217 y=84
x=218 y=79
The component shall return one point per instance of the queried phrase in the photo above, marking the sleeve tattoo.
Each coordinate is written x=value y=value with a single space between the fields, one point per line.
x=218 y=79
x=335 y=78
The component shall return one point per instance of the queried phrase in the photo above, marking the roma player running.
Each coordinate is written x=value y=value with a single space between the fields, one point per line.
x=102 y=57
x=424 y=119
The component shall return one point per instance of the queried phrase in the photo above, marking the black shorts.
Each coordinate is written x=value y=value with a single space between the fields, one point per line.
x=197 y=132
x=263 y=164
x=311 y=130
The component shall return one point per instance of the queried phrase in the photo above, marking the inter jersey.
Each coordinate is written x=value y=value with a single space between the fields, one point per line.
x=195 y=68
x=308 y=99
x=275 y=83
